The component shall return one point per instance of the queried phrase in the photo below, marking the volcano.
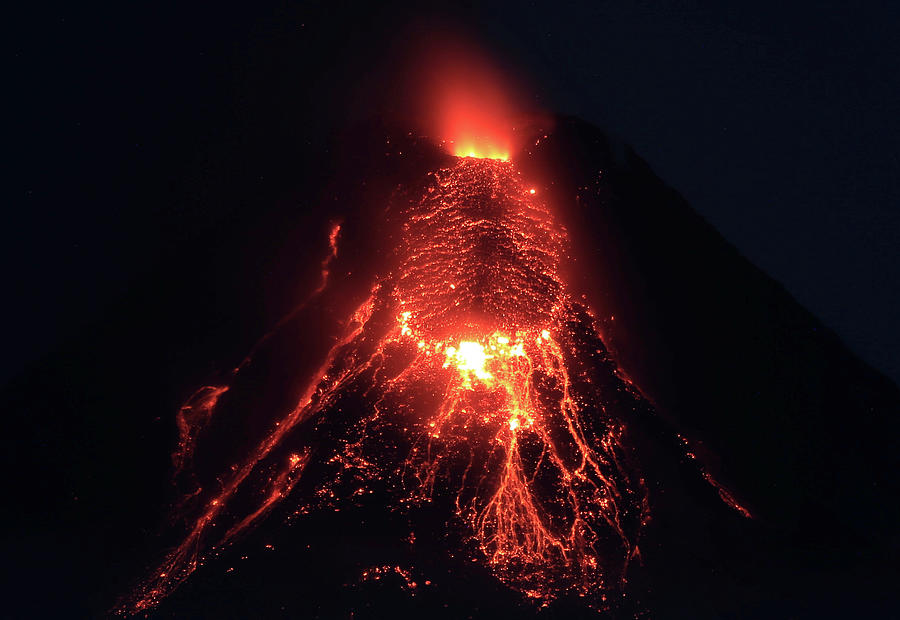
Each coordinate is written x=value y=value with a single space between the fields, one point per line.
x=535 y=385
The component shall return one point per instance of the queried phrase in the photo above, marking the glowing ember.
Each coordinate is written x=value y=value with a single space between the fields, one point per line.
x=475 y=360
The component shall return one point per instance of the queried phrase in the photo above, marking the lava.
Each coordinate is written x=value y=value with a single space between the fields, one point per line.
x=471 y=375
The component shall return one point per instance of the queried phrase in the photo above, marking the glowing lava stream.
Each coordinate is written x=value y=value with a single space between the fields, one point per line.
x=473 y=358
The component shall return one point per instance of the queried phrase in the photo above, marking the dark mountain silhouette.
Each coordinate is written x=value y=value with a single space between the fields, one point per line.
x=773 y=408
x=778 y=409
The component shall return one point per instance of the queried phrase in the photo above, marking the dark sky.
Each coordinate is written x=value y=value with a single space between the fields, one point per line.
x=137 y=127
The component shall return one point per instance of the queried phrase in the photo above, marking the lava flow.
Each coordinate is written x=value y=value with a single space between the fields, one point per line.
x=470 y=378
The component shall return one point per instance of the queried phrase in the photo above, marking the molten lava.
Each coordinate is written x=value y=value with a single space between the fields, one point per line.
x=471 y=375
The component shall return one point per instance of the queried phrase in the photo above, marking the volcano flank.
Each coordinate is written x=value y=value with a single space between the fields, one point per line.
x=536 y=386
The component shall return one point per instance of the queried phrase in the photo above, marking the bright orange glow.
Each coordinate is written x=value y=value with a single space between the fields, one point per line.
x=475 y=117
x=479 y=147
x=475 y=121
x=472 y=107
x=474 y=131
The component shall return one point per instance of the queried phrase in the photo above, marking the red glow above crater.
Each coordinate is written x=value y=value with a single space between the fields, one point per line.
x=472 y=106
x=470 y=131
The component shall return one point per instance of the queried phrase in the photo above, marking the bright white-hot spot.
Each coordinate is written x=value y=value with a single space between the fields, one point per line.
x=469 y=357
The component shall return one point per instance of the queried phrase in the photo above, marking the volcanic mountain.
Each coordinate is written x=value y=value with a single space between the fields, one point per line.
x=540 y=386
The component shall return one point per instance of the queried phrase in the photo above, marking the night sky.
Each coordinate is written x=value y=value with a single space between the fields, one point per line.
x=777 y=121
x=157 y=150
